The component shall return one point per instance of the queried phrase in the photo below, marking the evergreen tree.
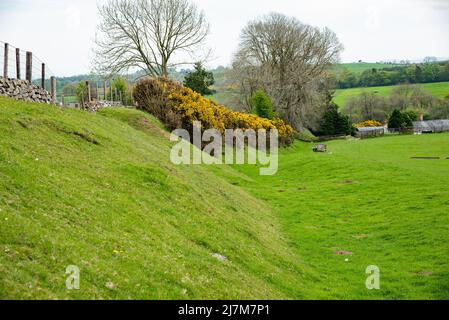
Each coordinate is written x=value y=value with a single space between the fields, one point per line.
x=334 y=123
x=199 y=80
x=399 y=120
x=262 y=105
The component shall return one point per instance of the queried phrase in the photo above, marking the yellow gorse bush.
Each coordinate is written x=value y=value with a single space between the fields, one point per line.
x=178 y=107
x=194 y=107
x=369 y=123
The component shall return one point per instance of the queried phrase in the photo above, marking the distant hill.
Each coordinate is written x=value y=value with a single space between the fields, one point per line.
x=341 y=97
x=359 y=67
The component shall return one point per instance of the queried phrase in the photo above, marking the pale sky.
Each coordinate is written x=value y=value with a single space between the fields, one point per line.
x=61 y=32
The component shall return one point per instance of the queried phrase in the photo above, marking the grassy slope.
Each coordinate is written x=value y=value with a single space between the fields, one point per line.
x=370 y=198
x=99 y=192
x=439 y=90
x=120 y=211
x=358 y=68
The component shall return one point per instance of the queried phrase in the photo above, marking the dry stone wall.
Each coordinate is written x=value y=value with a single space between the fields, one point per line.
x=23 y=90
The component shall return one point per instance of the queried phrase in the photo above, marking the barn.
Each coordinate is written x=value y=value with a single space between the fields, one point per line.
x=431 y=126
x=368 y=132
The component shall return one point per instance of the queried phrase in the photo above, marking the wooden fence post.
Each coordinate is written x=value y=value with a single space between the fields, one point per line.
x=121 y=97
x=29 y=66
x=62 y=99
x=18 y=63
x=43 y=77
x=104 y=90
x=110 y=90
x=5 y=64
x=89 y=97
x=53 y=89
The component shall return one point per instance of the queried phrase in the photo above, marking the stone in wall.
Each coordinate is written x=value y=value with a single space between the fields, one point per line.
x=23 y=90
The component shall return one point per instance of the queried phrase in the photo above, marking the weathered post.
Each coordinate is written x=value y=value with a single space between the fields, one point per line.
x=18 y=63
x=104 y=90
x=116 y=95
x=5 y=61
x=53 y=89
x=89 y=97
x=43 y=77
x=29 y=66
x=121 y=97
x=110 y=90
x=62 y=99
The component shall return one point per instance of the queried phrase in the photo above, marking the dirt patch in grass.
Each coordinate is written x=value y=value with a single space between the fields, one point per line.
x=360 y=236
x=343 y=252
x=423 y=273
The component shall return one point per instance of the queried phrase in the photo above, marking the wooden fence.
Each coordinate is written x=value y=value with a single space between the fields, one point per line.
x=14 y=65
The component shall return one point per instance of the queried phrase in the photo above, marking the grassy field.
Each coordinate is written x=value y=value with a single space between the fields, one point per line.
x=439 y=90
x=367 y=198
x=359 y=67
x=98 y=191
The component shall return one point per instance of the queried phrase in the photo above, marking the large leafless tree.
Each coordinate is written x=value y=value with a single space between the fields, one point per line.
x=152 y=35
x=289 y=60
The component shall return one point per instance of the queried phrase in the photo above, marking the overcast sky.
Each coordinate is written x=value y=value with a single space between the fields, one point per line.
x=60 y=32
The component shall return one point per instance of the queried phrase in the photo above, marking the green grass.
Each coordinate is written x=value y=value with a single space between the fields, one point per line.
x=367 y=197
x=358 y=68
x=98 y=191
x=439 y=90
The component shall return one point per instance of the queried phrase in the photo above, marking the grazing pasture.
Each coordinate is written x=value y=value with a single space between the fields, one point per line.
x=365 y=202
x=438 y=89
x=359 y=67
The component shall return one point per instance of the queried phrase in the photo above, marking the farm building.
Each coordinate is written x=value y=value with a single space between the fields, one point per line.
x=431 y=126
x=367 y=132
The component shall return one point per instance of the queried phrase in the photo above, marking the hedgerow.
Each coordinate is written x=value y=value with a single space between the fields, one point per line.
x=178 y=107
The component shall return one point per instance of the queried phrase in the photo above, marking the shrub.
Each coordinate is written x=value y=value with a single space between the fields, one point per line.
x=411 y=114
x=121 y=92
x=82 y=93
x=369 y=123
x=334 y=123
x=151 y=95
x=262 y=105
x=305 y=135
x=199 y=80
x=399 y=120
x=178 y=107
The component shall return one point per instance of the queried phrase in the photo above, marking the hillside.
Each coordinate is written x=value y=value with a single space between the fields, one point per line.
x=438 y=89
x=359 y=67
x=99 y=192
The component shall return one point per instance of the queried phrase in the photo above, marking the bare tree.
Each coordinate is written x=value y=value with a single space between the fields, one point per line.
x=289 y=61
x=148 y=34
x=400 y=97
x=368 y=106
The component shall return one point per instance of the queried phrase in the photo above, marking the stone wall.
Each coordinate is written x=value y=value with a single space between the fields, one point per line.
x=23 y=90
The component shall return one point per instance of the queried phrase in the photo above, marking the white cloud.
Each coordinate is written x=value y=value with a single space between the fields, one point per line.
x=61 y=32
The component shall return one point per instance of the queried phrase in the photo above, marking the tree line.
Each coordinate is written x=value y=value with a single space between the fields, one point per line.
x=410 y=98
x=415 y=73
x=281 y=67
